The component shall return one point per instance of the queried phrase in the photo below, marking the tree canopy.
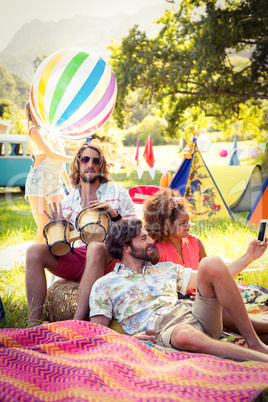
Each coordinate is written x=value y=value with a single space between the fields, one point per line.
x=208 y=62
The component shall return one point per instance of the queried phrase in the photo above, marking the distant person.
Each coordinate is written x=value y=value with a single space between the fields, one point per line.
x=44 y=182
x=143 y=297
x=89 y=174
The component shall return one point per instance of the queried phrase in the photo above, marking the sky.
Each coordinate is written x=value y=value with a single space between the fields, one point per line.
x=15 y=13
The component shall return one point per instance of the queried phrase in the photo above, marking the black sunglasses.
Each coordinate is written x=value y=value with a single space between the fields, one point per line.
x=86 y=159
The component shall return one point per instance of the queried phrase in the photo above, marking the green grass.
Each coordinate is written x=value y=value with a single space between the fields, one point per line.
x=226 y=238
x=16 y=224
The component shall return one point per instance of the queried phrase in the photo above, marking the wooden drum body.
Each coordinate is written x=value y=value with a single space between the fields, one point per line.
x=93 y=224
x=57 y=234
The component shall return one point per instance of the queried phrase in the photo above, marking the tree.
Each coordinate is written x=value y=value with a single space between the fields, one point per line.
x=197 y=64
x=13 y=88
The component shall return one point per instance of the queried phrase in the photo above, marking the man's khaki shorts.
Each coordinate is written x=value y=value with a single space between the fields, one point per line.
x=205 y=314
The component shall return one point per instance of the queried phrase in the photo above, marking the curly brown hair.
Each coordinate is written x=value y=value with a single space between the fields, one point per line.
x=160 y=212
x=74 y=172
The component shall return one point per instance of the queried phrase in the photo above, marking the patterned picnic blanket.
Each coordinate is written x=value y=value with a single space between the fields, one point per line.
x=83 y=361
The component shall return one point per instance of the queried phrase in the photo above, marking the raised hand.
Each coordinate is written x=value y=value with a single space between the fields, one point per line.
x=255 y=249
x=56 y=213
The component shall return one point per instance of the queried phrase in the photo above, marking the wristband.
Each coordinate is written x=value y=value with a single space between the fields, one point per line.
x=116 y=218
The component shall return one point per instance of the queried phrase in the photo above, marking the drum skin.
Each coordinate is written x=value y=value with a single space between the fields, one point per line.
x=56 y=234
x=93 y=224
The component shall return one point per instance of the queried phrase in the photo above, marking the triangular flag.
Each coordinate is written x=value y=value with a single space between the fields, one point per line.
x=128 y=170
x=140 y=171
x=174 y=165
x=117 y=167
x=252 y=152
x=230 y=152
x=262 y=147
x=148 y=153
x=137 y=152
x=152 y=172
x=239 y=152
x=163 y=171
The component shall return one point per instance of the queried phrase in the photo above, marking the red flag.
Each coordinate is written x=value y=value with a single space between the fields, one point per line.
x=137 y=153
x=148 y=153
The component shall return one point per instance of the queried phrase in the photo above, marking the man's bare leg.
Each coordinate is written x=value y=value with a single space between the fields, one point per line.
x=37 y=258
x=260 y=326
x=96 y=260
x=214 y=280
x=186 y=337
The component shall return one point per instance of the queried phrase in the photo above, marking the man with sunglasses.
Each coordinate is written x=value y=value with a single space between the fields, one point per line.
x=89 y=175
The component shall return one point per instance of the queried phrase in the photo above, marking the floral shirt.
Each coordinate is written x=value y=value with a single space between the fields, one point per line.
x=136 y=300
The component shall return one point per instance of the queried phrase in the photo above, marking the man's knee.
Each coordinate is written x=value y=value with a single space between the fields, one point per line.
x=211 y=266
x=38 y=255
x=97 y=250
x=184 y=337
x=36 y=251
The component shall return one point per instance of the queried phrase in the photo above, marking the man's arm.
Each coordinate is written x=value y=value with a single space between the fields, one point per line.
x=101 y=319
x=254 y=251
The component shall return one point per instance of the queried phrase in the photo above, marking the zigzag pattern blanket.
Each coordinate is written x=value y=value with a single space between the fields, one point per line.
x=82 y=361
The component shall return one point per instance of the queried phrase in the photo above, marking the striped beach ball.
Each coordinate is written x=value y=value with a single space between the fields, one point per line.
x=73 y=93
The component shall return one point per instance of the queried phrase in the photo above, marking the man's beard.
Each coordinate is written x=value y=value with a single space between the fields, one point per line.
x=90 y=179
x=141 y=254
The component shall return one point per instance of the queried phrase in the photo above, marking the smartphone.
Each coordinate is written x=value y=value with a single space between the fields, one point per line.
x=262 y=230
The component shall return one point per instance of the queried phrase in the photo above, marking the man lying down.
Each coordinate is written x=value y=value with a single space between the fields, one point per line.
x=143 y=297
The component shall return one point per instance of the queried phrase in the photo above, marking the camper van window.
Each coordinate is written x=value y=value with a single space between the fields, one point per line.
x=16 y=149
x=2 y=149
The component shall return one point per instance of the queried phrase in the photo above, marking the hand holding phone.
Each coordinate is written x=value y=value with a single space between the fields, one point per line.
x=262 y=230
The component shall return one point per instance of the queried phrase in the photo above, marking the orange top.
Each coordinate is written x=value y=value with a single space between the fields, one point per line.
x=190 y=252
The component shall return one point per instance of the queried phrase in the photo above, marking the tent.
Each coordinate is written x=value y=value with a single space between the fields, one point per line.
x=234 y=159
x=239 y=185
x=260 y=208
x=194 y=181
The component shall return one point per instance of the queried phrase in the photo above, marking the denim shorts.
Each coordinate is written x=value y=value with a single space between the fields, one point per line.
x=40 y=183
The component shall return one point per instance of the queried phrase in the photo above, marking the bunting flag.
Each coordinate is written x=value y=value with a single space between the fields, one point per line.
x=117 y=167
x=140 y=171
x=128 y=170
x=262 y=147
x=148 y=153
x=137 y=152
x=152 y=172
x=173 y=165
x=163 y=170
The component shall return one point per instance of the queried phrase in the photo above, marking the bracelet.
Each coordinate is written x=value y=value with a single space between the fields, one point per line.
x=116 y=218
